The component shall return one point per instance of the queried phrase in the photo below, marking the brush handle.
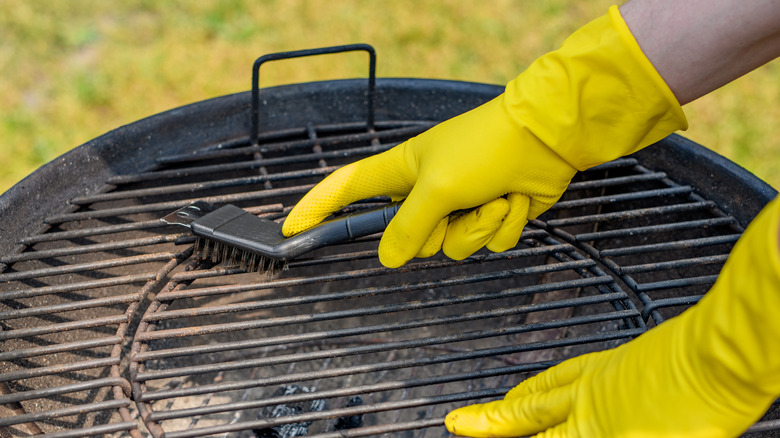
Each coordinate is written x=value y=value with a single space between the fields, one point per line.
x=236 y=228
x=340 y=230
x=345 y=228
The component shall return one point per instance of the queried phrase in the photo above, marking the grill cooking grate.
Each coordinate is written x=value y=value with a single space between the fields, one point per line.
x=110 y=327
x=350 y=343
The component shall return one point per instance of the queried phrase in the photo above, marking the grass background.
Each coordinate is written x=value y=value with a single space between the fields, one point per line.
x=73 y=70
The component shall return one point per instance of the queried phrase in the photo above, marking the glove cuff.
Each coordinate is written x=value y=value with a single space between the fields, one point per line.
x=597 y=98
x=672 y=116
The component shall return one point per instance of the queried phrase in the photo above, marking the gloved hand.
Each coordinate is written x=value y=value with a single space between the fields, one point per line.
x=710 y=372
x=593 y=100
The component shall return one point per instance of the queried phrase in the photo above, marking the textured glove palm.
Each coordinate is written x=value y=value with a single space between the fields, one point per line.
x=711 y=372
x=595 y=99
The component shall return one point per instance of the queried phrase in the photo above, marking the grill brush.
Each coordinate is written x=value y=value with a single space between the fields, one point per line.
x=235 y=237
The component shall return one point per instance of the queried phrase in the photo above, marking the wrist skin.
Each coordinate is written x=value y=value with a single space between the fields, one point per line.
x=698 y=46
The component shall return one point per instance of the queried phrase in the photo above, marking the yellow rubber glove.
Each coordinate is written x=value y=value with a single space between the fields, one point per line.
x=593 y=100
x=710 y=372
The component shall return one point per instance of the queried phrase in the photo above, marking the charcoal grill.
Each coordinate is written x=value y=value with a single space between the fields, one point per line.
x=111 y=327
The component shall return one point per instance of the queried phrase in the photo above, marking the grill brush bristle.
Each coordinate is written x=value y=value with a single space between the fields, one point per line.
x=235 y=237
x=232 y=257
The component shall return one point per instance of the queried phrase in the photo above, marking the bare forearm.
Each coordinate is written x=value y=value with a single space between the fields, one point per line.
x=698 y=46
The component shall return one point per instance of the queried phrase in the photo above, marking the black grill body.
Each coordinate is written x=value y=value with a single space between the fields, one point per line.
x=111 y=327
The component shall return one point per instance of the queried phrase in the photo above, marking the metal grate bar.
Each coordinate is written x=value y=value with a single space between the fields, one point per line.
x=632 y=196
x=247 y=325
x=64 y=412
x=168 y=295
x=415 y=362
x=634 y=213
x=78 y=305
x=668 y=246
x=349 y=391
x=88 y=231
x=675 y=264
x=59 y=390
x=173 y=205
x=764 y=426
x=641 y=288
x=352 y=256
x=87 y=249
x=240 y=141
x=197 y=186
x=374 y=291
x=615 y=164
x=337 y=333
x=414 y=343
x=317 y=148
x=94 y=430
x=58 y=369
x=271 y=136
x=608 y=182
x=82 y=267
x=71 y=287
x=67 y=326
x=373 y=430
x=341 y=352
x=378 y=407
x=662 y=228
x=250 y=165
x=682 y=282
x=293 y=145
x=653 y=306
x=59 y=348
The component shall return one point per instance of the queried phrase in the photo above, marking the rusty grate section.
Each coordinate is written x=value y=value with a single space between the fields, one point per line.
x=110 y=327
x=70 y=296
x=67 y=304
x=342 y=346
x=390 y=349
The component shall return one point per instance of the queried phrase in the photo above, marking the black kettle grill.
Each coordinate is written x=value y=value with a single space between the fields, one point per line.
x=110 y=327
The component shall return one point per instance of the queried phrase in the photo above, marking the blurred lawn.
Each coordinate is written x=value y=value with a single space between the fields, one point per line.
x=73 y=70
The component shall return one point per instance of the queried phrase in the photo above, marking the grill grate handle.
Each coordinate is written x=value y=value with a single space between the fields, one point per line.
x=253 y=136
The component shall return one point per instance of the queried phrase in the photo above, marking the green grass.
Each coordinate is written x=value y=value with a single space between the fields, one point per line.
x=71 y=71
